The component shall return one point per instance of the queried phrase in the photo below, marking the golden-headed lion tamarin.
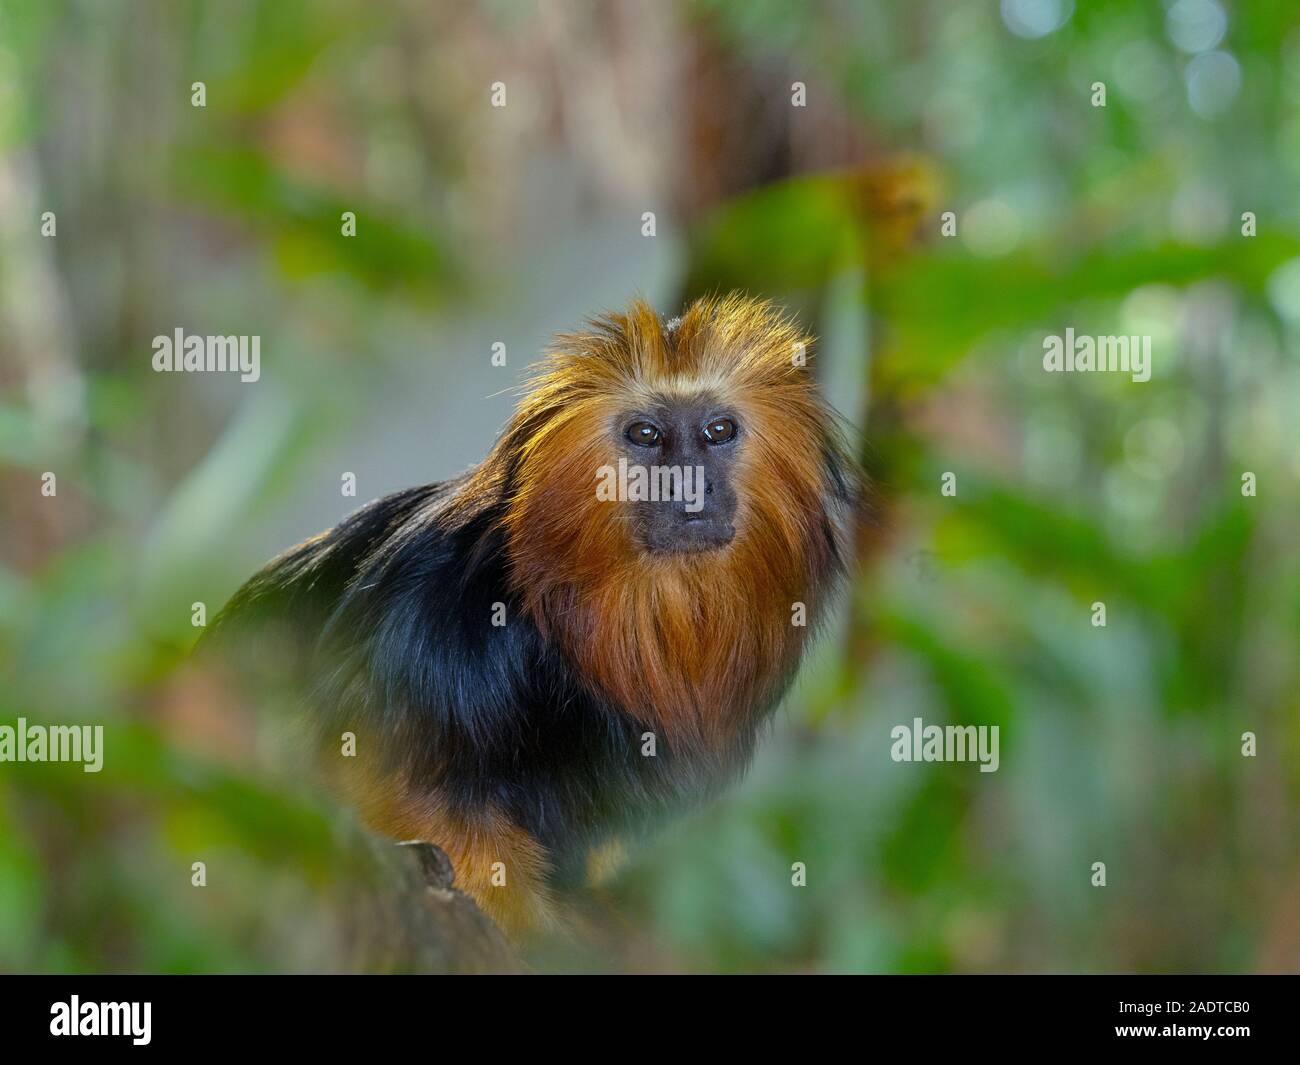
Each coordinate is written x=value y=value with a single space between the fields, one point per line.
x=503 y=643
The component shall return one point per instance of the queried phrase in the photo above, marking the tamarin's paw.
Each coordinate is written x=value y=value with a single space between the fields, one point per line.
x=503 y=869
x=494 y=861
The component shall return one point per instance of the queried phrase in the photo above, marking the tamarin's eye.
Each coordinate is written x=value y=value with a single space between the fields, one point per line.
x=720 y=430
x=644 y=434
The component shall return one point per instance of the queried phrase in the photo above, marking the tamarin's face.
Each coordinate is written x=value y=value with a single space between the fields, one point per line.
x=695 y=443
x=688 y=448
x=676 y=492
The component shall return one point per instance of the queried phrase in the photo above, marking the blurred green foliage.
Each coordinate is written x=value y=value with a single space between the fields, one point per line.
x=1119 y=744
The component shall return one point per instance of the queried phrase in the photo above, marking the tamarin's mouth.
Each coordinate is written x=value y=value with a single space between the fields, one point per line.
x=692 y=535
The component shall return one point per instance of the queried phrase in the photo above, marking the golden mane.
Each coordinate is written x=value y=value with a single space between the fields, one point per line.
x=692 y=645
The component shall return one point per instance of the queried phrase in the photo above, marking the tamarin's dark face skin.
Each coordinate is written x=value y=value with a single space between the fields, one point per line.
x=691 y=447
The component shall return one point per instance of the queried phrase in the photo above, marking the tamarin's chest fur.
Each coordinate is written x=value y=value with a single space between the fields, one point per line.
x=524 y=678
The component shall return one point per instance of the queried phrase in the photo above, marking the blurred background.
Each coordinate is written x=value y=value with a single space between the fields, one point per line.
x=479 y=225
